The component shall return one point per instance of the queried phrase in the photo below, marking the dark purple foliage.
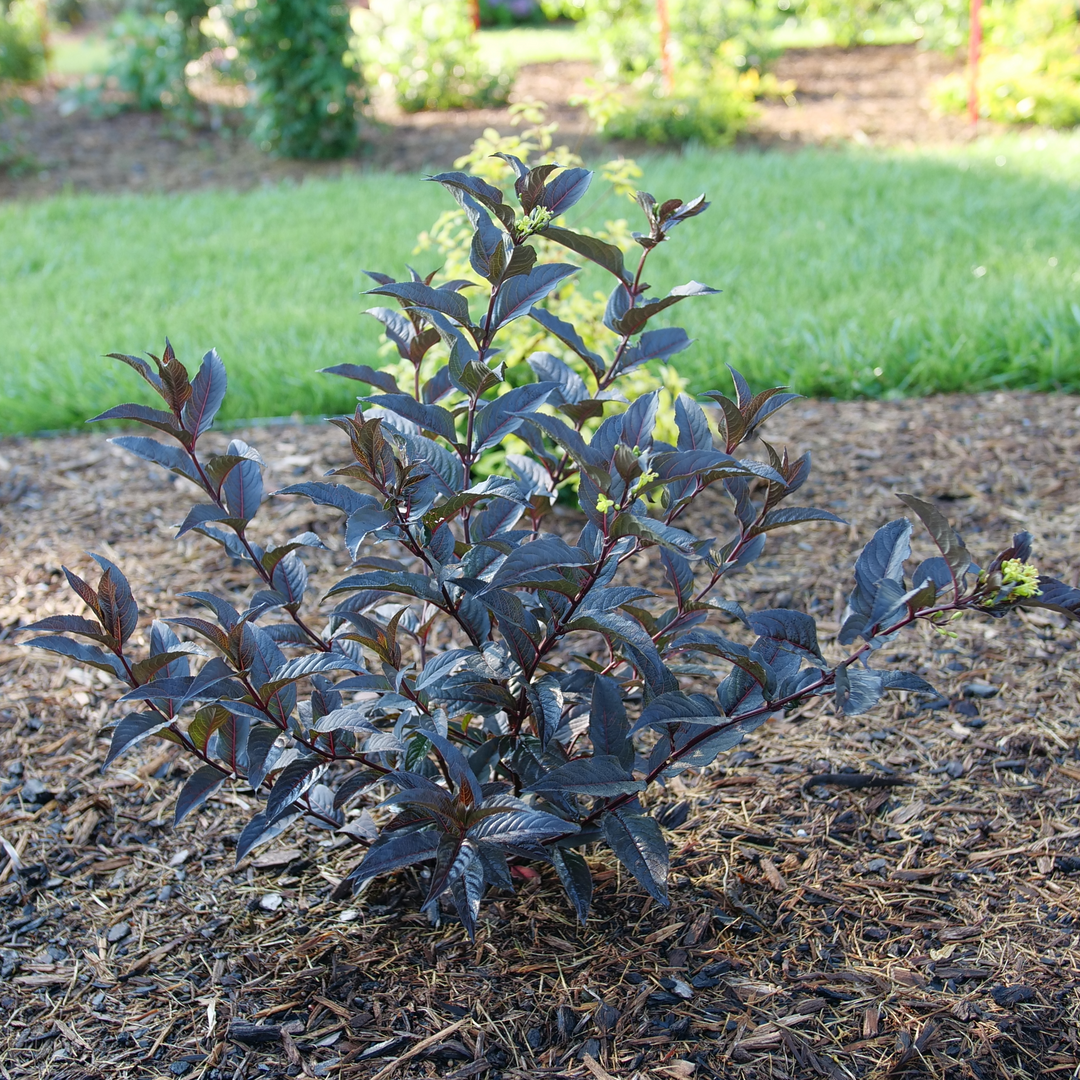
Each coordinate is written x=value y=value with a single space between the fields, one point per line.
x=506 y=744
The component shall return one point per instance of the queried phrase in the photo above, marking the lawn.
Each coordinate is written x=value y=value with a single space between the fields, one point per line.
x=844 y=273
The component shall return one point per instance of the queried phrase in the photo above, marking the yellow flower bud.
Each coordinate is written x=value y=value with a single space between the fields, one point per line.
x=1024 y=577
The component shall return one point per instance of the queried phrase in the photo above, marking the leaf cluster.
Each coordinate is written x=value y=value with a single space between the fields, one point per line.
x=492 y=685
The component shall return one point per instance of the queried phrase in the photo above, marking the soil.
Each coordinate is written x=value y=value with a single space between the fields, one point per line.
x=872 y=95
x=922 y=928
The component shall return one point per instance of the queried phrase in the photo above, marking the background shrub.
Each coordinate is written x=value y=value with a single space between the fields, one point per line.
x=425 y=53
x=151 y=52
x=22 y=41
x=303 y=77
x=720 y=50
x=1030 y=72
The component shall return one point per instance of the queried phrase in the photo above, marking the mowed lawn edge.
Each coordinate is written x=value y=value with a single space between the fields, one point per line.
x=844 y=274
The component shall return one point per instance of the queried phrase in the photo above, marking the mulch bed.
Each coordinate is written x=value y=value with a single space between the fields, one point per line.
x=869 y=94
x=922 y=926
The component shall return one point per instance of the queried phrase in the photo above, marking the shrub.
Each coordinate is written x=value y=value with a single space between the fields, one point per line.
x=937 y=23
x=1030 y=72
x=719 y=50
x=711 y=111
x=303 y=76
x=22 y=41
x=512 y=692
x=628 y=34
x=13 y=156
x=510 y=13
x=425 y=53
x=151 y=53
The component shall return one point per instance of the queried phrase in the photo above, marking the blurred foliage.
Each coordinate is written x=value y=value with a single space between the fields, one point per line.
x=628 y=33
x=424 y=52
x=304 y=77
x=151 y=52
x=939 y=24
x=710 y=108
x=530 y=12
x=720 y=51
x=1030 y=72
x=22 y=40
x=13 y=157
x=294 y=55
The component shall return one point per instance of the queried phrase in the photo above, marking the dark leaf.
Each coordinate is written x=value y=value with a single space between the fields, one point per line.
x=362 y=523
x=257 y=832
x=568 y=335
x=207 y=394
x=693 y=425
x=641 y=848
x=161 y=419
x=481 y=190
x=857 y=689
x=431 y=418
x=242 y=487
x=677 y=707
x=85 y=654
x=336 y=495
x=635 y=318
x=794 y=515
x=565 y=190
x=598 y=251
x=600 y=775
x=290 y=784
x=520 y=827
x=576 y=879
x=1057 y=596
x=394 y=851
x=417 y=294
x=796 y=630
x=200 y=785
x=905 y=680
x=883 y=557
x=547 y=552
x=655 y=345
x=609 y=729
x=949 y=544
x=505 y=414
x=548 y=368
x=170 y=457
x=132 y=730
x=467 y=888
x=382 y=380
x=517 y=295
x=141 y=366
x=261 y=753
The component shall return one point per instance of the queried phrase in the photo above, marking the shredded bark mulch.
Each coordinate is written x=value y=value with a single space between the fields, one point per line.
x=868 y=94
x=891 y=895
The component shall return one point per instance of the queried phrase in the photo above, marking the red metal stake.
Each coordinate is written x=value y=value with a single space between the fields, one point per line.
x=665 y=46
x=974 y=50
x=474 y=11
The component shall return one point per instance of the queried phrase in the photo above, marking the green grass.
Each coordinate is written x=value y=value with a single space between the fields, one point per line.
x=519 y=45
x=844 y=274
x=78 y=54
